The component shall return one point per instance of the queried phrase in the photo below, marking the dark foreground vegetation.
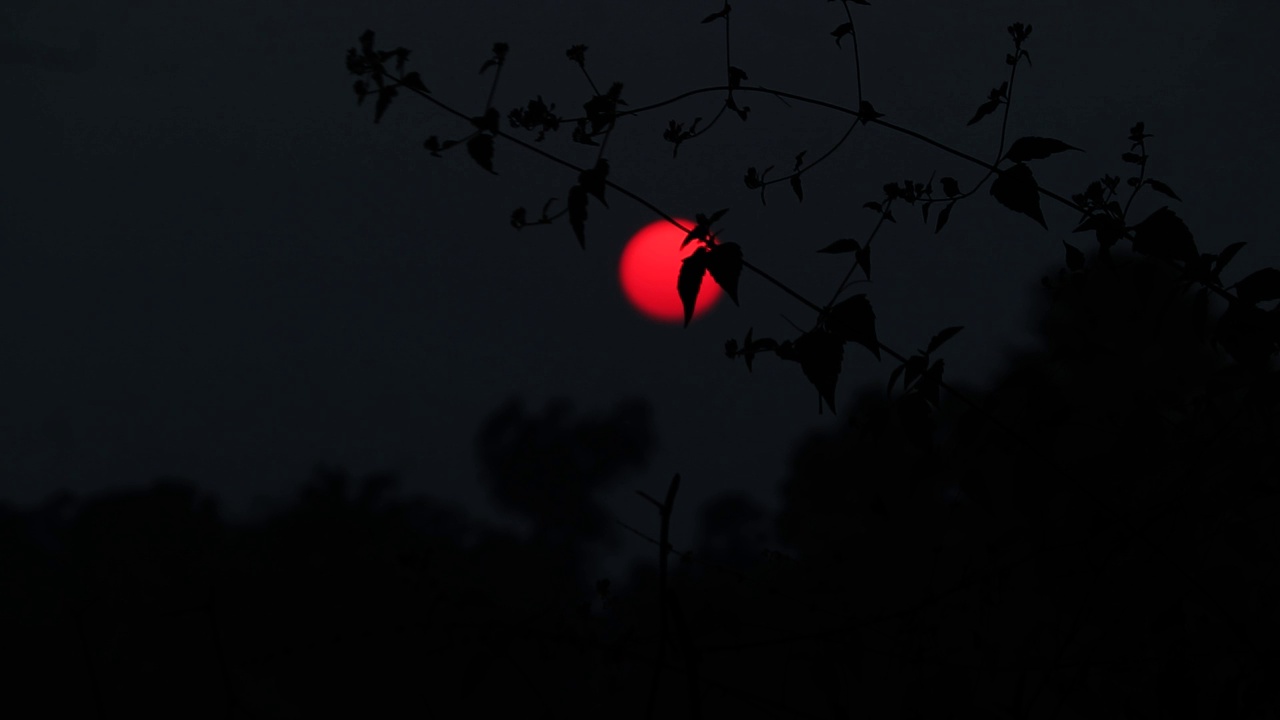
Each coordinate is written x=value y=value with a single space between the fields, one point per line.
x=1100 y=543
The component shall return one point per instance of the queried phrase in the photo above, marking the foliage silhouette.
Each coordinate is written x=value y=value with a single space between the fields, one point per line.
x=1090 y=536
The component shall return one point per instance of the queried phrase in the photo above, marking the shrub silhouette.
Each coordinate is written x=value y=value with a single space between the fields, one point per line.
x=909 y=565
x=549 y=471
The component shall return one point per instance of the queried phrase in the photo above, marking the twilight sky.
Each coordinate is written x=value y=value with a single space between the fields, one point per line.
x=214 y=265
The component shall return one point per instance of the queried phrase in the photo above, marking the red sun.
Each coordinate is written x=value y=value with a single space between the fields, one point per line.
x=649 y=268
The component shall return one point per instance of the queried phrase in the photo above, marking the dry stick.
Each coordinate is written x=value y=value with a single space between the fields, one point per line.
x=664 y=549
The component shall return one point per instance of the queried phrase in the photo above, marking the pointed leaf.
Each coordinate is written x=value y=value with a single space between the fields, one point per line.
x=984 y=110
x=578 y=213
x=593 y=180
x=842 y=30
x=1035 y=148
x=853 y=320
x=795 y=186
x=385 y=96
x=690 y=281
x=843 y=245
x=480 y=148
x=943 y=335
x=863 y=257
x=1226 y=255
x=867 y=112
x=820 y=355
x=724 y=262
x=413 y=81
x=1017 y=190
x=1163 y=189
x=943 y=217
x=1164 y=235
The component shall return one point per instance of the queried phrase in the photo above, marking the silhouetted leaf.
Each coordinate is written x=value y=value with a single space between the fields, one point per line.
x=841 y=30
x=943 y=335
x=736 y=76
x=915 y=368
x=867 y=113
x=1260 y=286
x=724 y=262
x=413 y=81
x=950 y=187
x=820 y=355
x=796 y=187
x=984 y=110
x=1035 y=148
x=863 y=256
x=943 y=217
x=480 y=148
x=518 y=218
x=385 y=95
x=1075 y=258
x=1162 y=188
x=1134 y=158
x=578 y=213
x=1164 y=235
x=853 y=320
x=1017 y=190
x=690 y=280
x=593 y=180
x=842 y=245
x=1225 y=257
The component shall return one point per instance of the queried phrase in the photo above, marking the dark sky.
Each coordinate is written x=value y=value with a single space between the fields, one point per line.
x=214 y=265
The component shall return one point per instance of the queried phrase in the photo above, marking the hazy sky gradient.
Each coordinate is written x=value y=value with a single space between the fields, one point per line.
x=214 y=265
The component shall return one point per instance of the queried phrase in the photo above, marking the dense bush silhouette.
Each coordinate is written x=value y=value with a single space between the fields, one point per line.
x=1116 y=557
x=1120 y=539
